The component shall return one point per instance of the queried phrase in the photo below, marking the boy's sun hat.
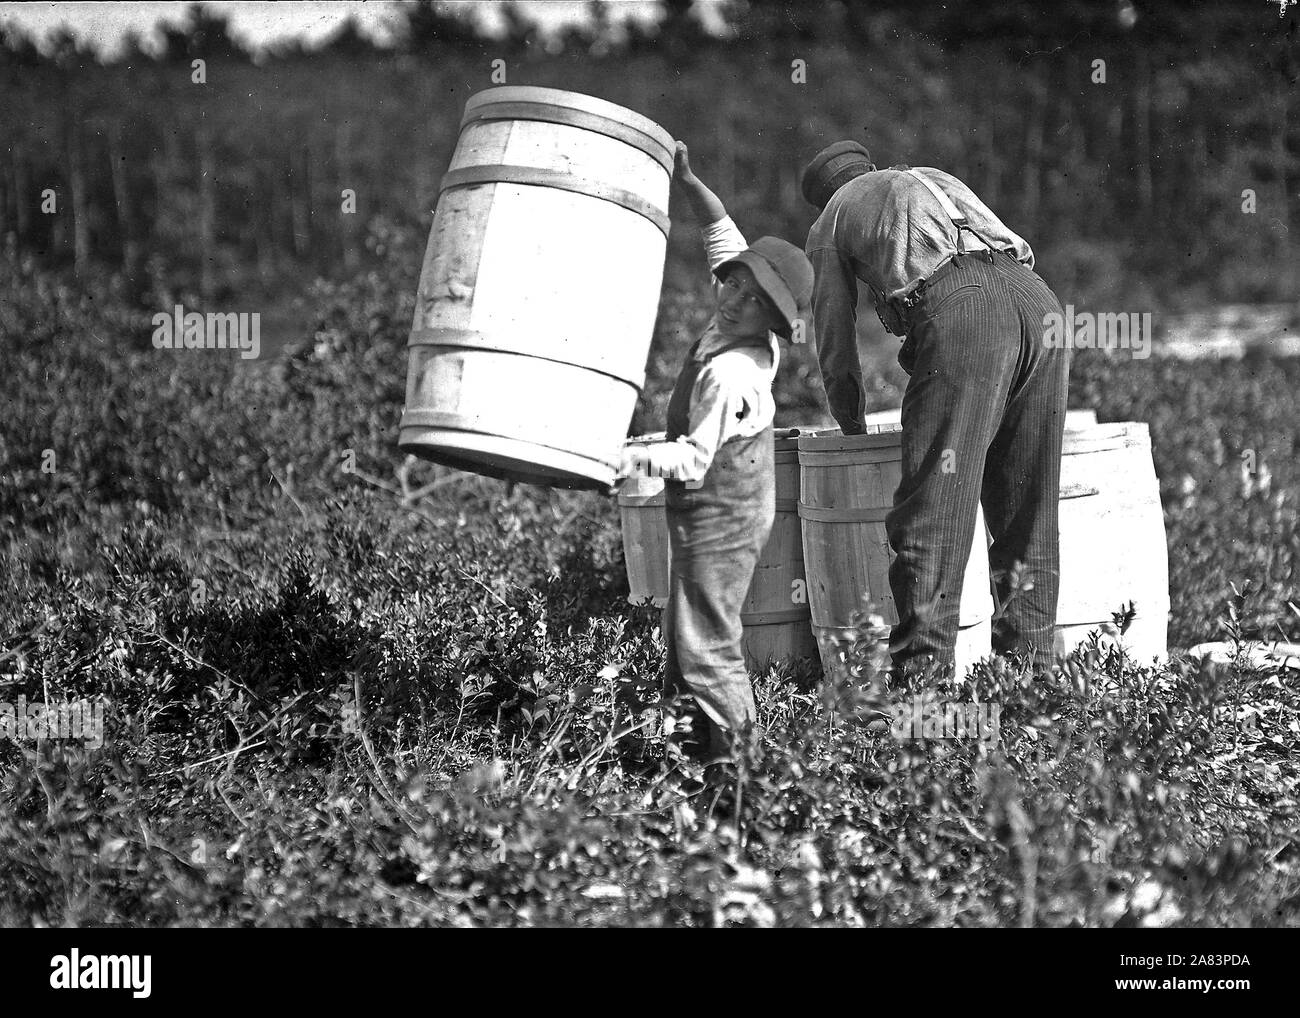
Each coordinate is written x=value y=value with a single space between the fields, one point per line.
x=832 y=168
x=784 y=274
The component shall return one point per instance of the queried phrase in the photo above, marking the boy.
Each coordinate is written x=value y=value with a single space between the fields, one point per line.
x=717 y=461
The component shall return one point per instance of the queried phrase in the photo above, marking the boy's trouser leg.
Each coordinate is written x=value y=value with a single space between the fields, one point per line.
x=962 y=353
x=1022 y=480
x=702 y=626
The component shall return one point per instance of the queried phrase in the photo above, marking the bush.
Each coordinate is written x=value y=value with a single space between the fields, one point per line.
x=398 y=695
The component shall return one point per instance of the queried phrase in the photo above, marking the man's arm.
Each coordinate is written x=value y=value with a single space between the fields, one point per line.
x=834 y=307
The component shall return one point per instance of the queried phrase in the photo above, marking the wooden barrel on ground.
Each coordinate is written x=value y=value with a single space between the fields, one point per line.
x=539 y=289
x=847 y=487
x=775 y=611
x=776 y=614
x=645 y=539
x=1112 y=533
x=646 y=554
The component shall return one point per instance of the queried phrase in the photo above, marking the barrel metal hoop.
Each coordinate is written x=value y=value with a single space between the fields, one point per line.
x=1078 y=491
x=456 y=422
x=1085 y=446
x=777 y=617
x=787 y=505
x=850 y=515
x=569 y=117
x=574 y=101
x=1068 y=615
x=820 y=444
x=537 y=176
x=473 y=339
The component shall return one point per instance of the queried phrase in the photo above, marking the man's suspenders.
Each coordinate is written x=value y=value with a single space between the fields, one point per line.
x=951 y=211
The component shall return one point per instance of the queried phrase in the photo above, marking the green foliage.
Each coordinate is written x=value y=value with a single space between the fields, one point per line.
x=406 y=696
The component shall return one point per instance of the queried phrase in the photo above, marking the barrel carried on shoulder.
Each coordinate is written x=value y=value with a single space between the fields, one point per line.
x=539 y=290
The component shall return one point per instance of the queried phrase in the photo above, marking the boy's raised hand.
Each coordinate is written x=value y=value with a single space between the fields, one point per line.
x=704 y=203
x=682 y=163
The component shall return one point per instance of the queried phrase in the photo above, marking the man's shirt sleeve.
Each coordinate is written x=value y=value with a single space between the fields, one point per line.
x=835 y=301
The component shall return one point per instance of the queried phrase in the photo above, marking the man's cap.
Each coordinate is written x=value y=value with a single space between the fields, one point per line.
x=832 y=168
x=784 y=274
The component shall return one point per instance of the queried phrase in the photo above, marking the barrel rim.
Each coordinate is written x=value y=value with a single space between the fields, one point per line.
x=1106 y=437
x=1092 y=438
x=835 y=441
x=457 y=447
x=583 y=103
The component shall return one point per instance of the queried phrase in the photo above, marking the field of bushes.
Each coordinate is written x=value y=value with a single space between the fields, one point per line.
x=343 y=688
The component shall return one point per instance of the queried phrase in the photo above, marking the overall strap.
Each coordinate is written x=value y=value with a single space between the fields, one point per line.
x=951 y=211
x=678 y=417
x=736 y=346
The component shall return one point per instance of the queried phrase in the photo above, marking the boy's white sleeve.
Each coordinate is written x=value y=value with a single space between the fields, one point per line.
x=722 y=240
x=717 y=400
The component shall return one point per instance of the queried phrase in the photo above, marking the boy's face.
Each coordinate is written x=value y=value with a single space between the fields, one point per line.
x=743 y=310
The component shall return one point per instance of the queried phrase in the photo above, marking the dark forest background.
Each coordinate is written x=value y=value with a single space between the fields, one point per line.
x=1129 y=189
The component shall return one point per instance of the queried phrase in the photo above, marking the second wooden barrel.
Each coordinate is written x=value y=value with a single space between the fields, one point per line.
x=1112 y=533
x=847 y=488
x=540 y=287
x=646 y=552
x=776 y=613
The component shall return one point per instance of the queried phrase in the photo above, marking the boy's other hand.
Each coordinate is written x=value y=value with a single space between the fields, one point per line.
x=630 y=462
x=626 y=468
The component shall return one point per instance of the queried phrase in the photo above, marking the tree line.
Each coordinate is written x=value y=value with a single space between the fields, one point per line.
x=1144 y=147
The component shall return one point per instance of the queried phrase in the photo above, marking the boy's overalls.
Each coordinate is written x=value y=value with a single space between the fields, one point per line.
x=716 y=532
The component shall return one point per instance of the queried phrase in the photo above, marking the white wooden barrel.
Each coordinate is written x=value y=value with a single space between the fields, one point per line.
x=539 y=289
x=1112 y=533
x=847 y=487
x=775 y=612
x=646 y=553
